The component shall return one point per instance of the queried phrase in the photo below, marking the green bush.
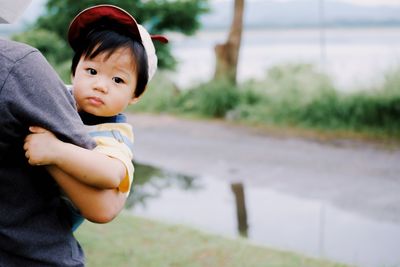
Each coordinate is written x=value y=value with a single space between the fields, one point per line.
x=160 y=96
x=391 y=85
x=284 y=91
x=298 y=95
x=293 y=84
x=362 y=111
x=376 y=110
x=213 y=99
x=291 y=95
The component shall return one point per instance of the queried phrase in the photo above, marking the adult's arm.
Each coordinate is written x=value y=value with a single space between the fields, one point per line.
x=31 y=93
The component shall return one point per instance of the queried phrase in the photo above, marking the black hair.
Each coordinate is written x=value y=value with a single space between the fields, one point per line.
x=108 y=41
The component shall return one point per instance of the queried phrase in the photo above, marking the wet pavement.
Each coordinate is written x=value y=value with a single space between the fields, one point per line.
x=324 y=200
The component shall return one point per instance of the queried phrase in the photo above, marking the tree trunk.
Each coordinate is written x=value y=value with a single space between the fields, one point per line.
x=227 y=54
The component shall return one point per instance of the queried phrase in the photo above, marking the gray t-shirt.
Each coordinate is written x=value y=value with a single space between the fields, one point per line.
x=33 y=228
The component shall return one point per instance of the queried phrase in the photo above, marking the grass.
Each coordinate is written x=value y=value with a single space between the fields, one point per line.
x=133 y=241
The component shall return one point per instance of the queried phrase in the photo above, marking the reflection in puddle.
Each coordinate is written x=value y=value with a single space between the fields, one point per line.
x=266 y=217
x=241 y=213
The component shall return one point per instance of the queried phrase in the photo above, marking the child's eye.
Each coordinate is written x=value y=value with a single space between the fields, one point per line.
x=91 y=71
x=118 y=80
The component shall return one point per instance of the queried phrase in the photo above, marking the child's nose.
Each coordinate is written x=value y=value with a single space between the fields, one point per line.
x=100 y=86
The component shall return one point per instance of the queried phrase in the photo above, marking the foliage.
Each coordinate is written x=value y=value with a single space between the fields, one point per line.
x=132 y=241
x=297 y=96
x=213 y=99
x=391 y=85
x=158 y=16
x=284 y=90
x=160 y=96
x=293 y=83
x=356 y=112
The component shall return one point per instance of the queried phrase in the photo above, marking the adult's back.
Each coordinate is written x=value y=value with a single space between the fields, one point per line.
x=33 y=230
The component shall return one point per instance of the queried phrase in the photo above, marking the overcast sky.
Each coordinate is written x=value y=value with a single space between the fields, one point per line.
x=37 y=5
x=373 y=2
x=358 y=2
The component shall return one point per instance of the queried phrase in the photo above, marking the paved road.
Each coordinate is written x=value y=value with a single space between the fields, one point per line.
x=360 y=178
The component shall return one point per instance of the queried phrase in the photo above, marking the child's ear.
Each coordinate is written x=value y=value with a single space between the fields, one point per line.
x=134 y=100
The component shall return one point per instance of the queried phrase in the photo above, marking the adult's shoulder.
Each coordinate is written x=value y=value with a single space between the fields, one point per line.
x=11 y=51
x=21 y=63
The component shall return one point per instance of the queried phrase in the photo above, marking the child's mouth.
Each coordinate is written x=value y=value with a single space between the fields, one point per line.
x=95 y=101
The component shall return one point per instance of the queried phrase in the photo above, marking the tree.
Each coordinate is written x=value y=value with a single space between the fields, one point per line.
x=158 y=16
x=227 y=54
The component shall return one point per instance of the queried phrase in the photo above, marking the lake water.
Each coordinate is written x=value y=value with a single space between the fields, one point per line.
x=354 y=57
x=277 y=220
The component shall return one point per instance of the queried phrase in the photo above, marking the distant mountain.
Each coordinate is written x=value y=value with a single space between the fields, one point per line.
x=302 y=13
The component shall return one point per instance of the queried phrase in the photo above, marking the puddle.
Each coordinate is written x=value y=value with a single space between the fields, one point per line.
x=268 y=218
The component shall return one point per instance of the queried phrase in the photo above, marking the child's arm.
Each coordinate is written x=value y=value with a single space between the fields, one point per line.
x=96 y=205
x=89 y=167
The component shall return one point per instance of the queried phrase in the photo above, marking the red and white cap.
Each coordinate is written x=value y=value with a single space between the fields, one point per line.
x=91 y=15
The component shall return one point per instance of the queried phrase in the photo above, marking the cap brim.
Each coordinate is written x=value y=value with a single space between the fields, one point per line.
x=160 y=38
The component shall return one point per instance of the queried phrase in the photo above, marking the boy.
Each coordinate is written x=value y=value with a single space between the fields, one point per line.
x=114 y=60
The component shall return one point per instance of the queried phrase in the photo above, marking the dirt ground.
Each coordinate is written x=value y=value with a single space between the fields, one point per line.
x=356 y=176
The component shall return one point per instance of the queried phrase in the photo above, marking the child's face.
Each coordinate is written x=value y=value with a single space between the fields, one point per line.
x=105 y=85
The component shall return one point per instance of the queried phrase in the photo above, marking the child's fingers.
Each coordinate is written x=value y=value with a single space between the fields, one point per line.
x=27 y=154
x=37 y=129
x=26 y=146
x=27 y=141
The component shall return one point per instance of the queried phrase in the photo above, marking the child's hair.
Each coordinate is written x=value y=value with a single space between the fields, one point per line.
x=107 y=41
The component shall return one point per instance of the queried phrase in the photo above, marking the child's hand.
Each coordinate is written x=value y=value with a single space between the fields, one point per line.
x=40 y=146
